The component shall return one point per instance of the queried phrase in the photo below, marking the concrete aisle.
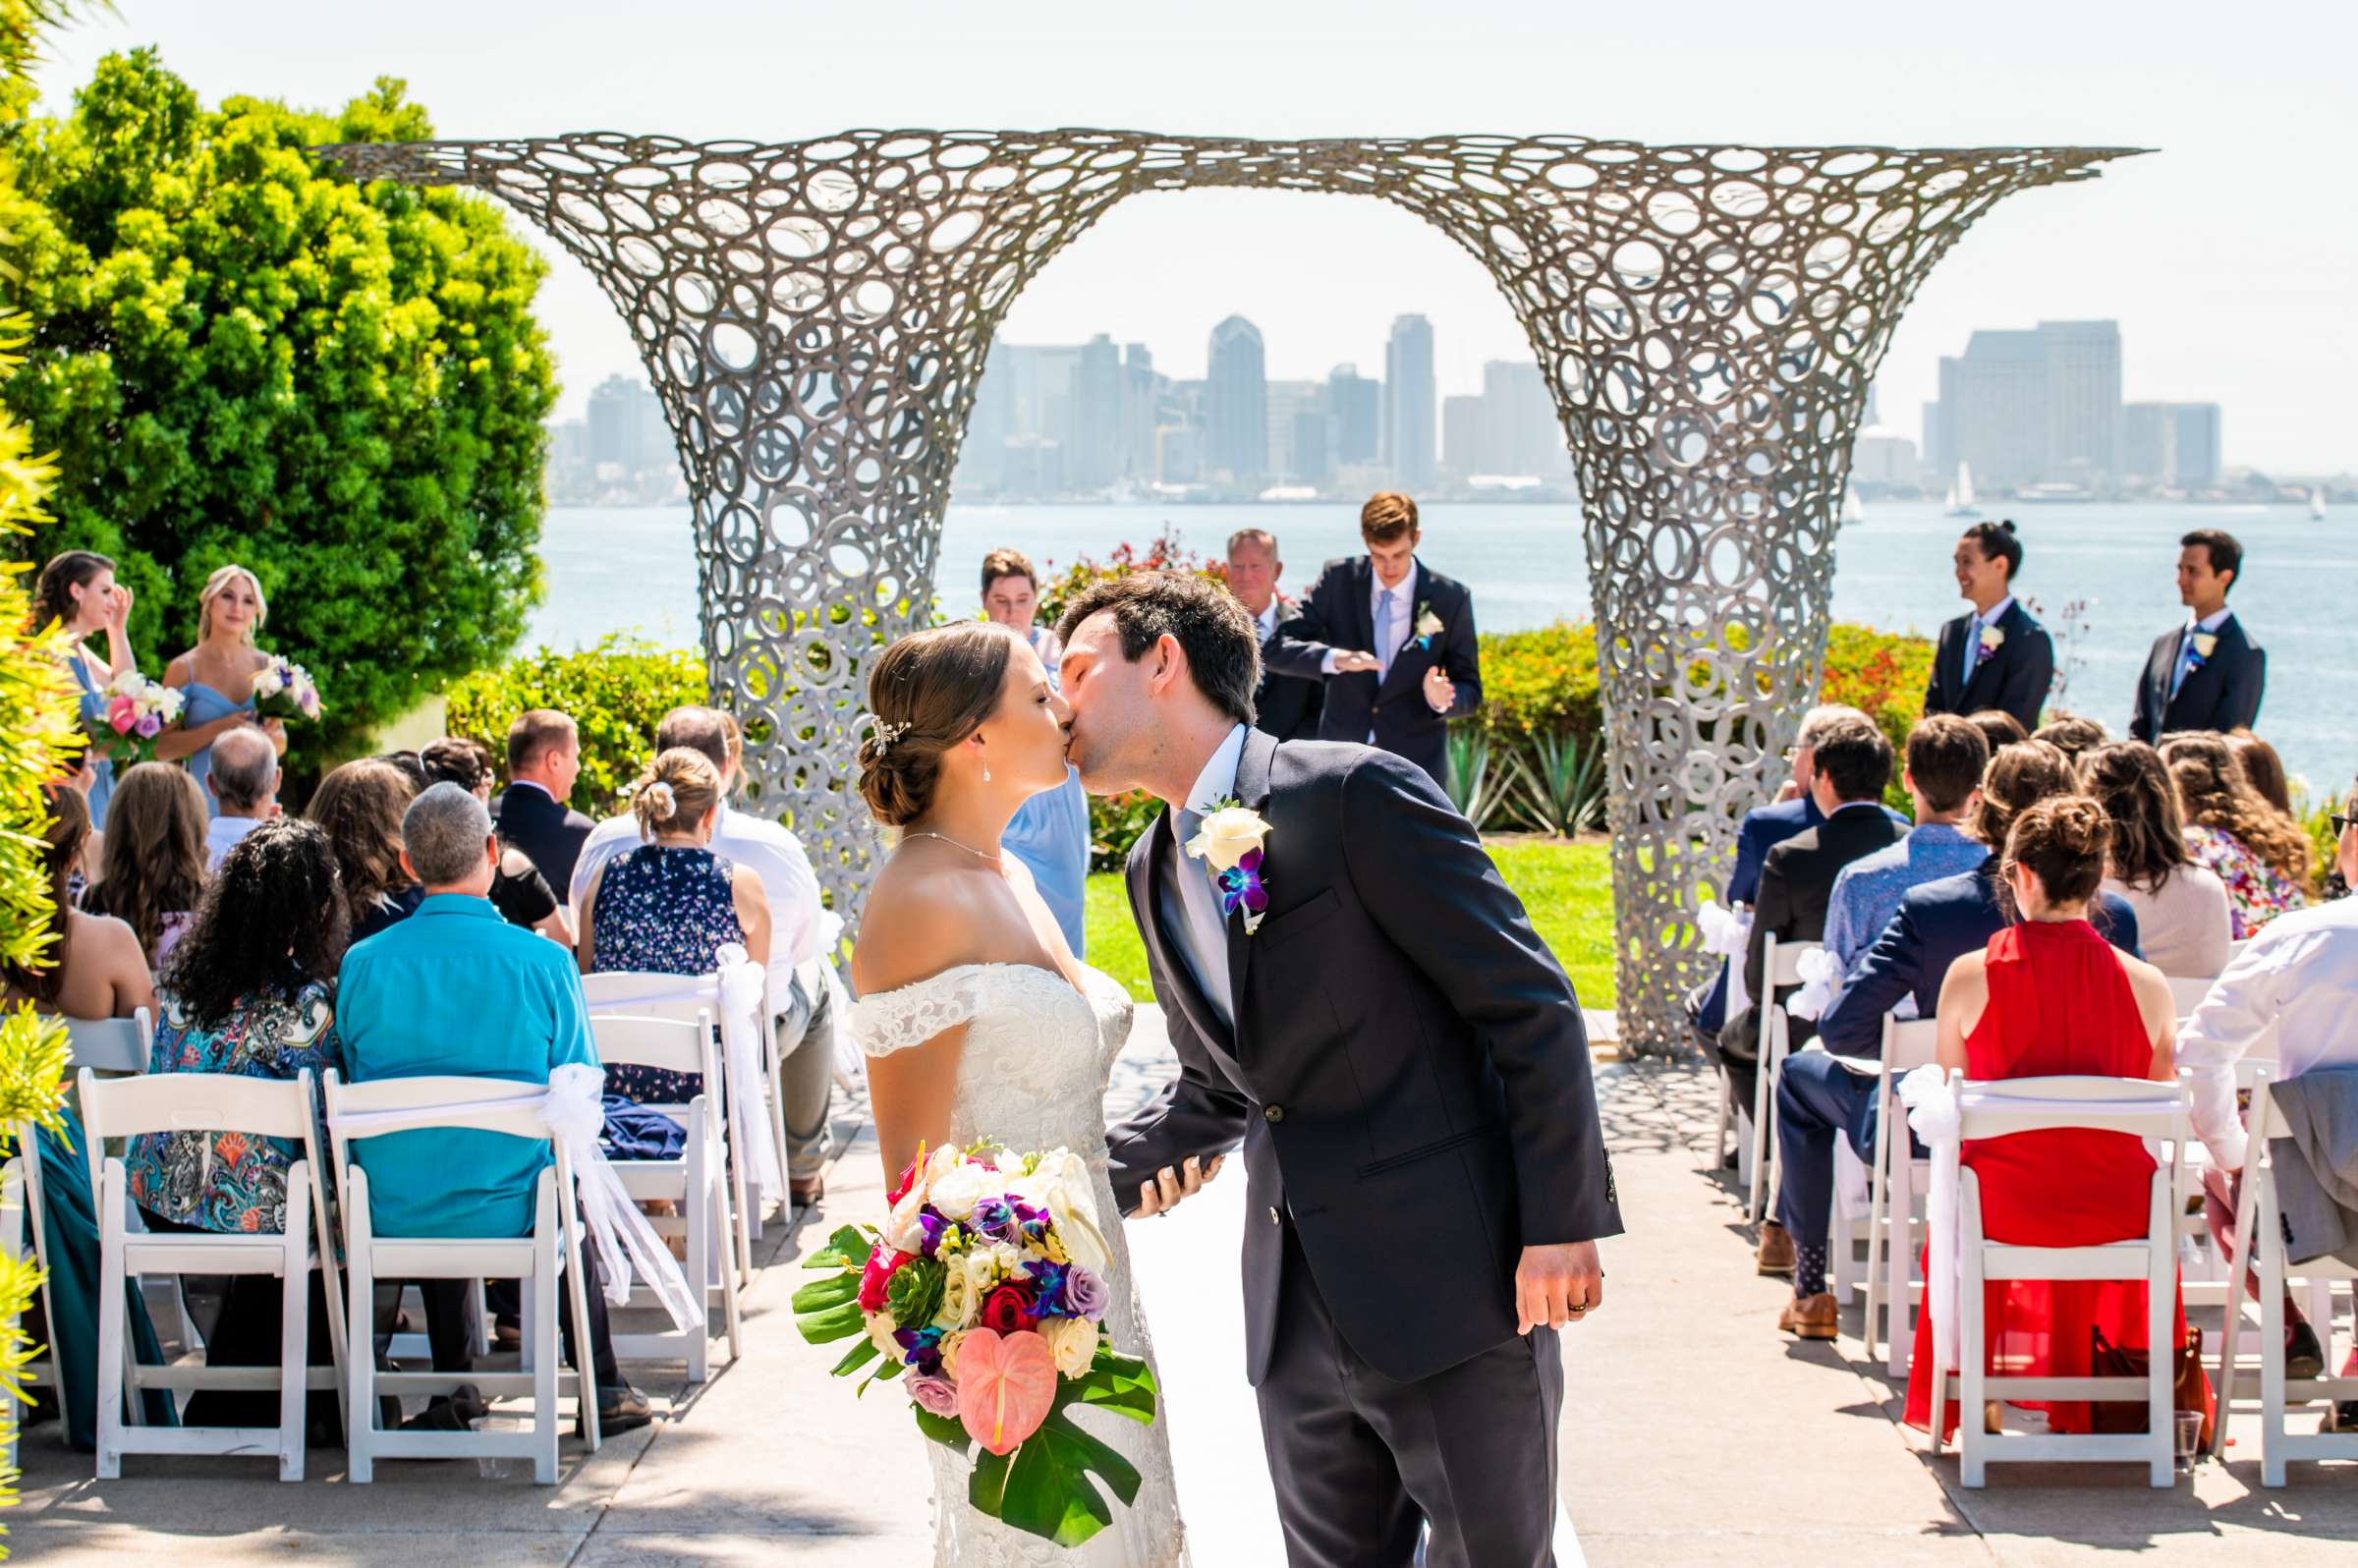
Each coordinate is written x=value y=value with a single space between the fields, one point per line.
x=1693 y=1432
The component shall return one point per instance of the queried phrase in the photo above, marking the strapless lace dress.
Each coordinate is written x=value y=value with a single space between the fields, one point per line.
x=1032 y=1075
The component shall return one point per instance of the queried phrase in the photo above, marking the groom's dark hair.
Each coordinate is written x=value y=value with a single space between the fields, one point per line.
x=1222 y=647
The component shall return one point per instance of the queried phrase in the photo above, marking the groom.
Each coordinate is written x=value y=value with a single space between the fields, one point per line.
x=1406 y=1066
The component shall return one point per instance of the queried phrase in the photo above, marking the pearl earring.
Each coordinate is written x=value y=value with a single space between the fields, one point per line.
x=987 y=772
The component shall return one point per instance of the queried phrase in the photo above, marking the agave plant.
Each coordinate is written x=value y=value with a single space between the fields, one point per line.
x=1484 y=779
x=1565 y=792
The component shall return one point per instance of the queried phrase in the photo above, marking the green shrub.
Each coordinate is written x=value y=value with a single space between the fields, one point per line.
x=616 y=692
x=1164 y=553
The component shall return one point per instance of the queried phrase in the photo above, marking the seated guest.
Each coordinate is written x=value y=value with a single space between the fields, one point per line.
x=1764 y=828
x=95 y=970
x=671 y=905
x=2183 y=923
x=151 y=871
x=1997 y=657
x=1946 y=757
x=2071 y=735
x=249 y=992
x=244 y=785
x=544 y=758
x=2297 y=984
x=361 y=805
x=455 y=990
x=2263 y=769
x=1998 y=728
x=519 y=893
x=1852 y=764
x=799 y=927
x=2259 y=853
x=2049 y=996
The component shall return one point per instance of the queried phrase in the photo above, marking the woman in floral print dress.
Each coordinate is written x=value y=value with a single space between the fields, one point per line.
x=2235 y=832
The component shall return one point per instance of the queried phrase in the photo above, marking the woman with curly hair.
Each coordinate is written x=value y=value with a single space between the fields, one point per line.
x=359 y=804
x=151 y=870
x=2184 y=919
x=249 y=991
x=2258 y=852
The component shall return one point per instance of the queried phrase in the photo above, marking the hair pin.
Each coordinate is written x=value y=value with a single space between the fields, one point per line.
x=889 y=731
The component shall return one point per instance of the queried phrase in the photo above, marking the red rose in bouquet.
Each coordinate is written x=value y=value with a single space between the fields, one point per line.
x=874 y=1276
x=1008 y=1310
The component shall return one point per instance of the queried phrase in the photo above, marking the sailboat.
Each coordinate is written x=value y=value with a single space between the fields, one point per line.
x=1853 y=509
x=1960 y=493
x=2316 y=505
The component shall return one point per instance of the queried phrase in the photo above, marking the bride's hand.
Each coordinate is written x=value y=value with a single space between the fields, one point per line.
x=1163 y=1195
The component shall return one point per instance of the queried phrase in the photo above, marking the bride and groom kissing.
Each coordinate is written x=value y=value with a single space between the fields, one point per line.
x=1362 y=1004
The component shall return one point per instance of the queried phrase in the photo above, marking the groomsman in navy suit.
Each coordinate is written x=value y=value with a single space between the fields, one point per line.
x=1283 y=706
x=2207 y=674
x=1393 y=639
x=1997 y=657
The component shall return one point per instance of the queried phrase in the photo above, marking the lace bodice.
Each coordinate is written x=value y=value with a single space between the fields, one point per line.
x=1032 y=1075
x=1033 y=1072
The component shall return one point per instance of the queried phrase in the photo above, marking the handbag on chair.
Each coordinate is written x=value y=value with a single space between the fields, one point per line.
x=2191 y=1389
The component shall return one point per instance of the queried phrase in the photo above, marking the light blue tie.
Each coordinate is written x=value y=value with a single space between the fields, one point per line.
x=1386 y=645
x=1205 y=942
x=1973 y=648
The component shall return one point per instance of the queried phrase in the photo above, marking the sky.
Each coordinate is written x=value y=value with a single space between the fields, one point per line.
x=2229 y=258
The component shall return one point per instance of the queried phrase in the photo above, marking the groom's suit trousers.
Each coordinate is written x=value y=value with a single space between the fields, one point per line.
x=1362 y=1461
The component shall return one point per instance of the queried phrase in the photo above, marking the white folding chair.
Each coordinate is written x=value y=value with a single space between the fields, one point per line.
x=1896 y=1180
x=686 y=997
x=211 y=1102
x=112 y=1044
x=540 y=1260
x=2156 y=1111
x=1780 y=969
x=693 y=1182
x=2257 y=1218
x=2186 y=993
x=19 y=1200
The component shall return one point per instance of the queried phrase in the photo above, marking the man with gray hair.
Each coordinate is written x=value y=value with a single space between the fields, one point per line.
x=244 y=785
x=457 y=990
x=801 y=934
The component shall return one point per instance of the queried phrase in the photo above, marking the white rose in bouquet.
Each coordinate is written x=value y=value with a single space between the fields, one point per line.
x=1073 y=1341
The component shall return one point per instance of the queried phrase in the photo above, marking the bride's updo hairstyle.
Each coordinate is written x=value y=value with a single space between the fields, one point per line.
x=674 y=793
x=2065 y=839
x=928 y=692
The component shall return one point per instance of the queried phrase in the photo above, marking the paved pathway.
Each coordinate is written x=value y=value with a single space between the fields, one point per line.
x=1693 y=1432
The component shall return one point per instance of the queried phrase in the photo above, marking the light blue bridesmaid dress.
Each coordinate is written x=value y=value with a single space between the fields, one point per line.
x=204 y=707
x=1051 y=834
x=94 y=718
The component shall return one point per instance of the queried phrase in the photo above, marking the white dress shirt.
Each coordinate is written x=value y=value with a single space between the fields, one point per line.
x=1266 y=623
x=2297 y=978
x=1190 y=904
x=798 y=923
x=1402 y=618
x=221 y=835
x=1973 y=637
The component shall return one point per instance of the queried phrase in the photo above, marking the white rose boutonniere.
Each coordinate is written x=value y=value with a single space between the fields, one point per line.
x=1992 y=638
x=2204 y=643
x=1229 y=844
x=1428 y=625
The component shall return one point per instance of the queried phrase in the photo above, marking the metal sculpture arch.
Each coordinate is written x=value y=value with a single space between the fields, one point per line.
x=815 y=317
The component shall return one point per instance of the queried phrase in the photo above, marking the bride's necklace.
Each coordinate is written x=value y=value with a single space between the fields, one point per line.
x=980 y=855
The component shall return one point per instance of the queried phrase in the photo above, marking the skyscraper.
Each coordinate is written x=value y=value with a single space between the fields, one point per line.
x=2195 y=429
x=2027 y=408
x=1408 y=402
x=1357 y=404
x=1236 y=435
x=2172 y=443
x=1468 y=443
x=2082 y=400
x=1094 y=458
x=1526 y=435
x=1288 y=403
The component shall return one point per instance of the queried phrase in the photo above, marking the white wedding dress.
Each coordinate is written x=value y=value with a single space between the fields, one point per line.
x=1033 y=1077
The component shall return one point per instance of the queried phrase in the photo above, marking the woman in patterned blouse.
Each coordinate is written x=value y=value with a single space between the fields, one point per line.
x=249 y=991
x=2260 y=854
x=671 y=905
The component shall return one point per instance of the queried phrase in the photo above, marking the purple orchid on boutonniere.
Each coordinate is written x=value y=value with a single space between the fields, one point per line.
x=1229 y=844
x=1992 y=639
x=1428 y=625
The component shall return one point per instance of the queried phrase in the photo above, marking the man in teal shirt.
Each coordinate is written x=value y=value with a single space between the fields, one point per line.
x=455 y=990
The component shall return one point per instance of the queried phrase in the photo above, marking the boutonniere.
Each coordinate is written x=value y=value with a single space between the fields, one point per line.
x=1428 y=625
x=2203 y=642
x=1229 y=844
x=1992 y=638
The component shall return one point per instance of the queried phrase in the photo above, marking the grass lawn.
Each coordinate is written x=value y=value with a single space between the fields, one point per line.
x=1567 y=887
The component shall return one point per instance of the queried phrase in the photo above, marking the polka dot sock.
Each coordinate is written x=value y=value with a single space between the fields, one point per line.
x=1809 y=1270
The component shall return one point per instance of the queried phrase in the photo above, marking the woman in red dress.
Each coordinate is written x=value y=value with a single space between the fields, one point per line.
x=2049 y=998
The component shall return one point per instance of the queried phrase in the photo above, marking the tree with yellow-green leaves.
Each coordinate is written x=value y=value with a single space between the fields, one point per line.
x=39 y=740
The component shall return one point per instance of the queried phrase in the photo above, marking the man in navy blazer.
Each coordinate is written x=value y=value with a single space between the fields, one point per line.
x=1393 y=640
x=1997 y=657
x=544 y=758
x=2207 y=674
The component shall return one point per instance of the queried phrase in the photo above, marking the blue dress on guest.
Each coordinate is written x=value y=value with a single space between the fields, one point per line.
x=94 y=718
x=1050 y=832
x=661 y=910
x=205 y=705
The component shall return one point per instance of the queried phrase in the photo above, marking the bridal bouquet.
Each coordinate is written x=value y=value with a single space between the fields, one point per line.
x=285 y=690
x=136 y=711
x=982 y=1296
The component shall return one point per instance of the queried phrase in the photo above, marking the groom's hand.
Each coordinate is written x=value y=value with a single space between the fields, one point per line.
x=1557 y=1284
x=1163 y=1193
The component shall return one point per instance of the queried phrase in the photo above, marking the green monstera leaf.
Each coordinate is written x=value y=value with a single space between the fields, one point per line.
x=1050 y=1487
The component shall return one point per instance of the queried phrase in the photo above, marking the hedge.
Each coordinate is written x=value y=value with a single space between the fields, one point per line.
x=616 y=693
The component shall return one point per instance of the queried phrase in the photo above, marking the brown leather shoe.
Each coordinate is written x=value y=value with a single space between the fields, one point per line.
x=1812 y=1317
x=1776 y=1253
x=806 y=1190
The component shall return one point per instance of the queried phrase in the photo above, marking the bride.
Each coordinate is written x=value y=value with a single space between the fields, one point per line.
x=979 y=1023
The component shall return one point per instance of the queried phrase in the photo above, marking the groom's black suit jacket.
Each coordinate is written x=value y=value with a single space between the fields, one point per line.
x=1409 y=1071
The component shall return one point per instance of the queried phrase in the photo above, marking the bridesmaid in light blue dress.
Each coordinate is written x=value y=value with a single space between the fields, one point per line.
x=78 y=590
x=217 y=676
x=1050 y=830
